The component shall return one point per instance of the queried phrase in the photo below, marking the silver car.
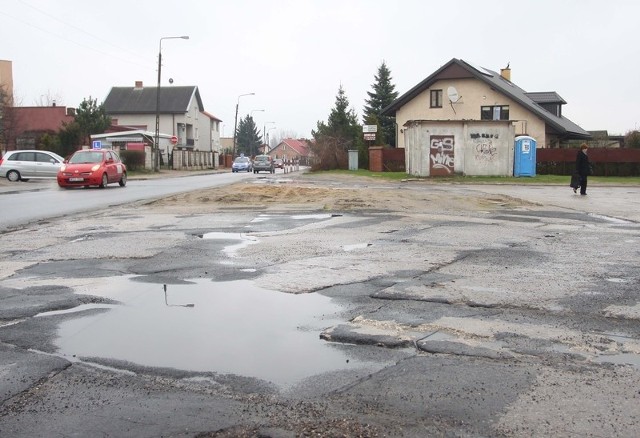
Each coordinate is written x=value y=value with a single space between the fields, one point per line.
x=26 y=164
x=263 y=163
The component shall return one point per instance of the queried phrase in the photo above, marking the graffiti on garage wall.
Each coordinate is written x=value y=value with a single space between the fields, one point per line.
x=441 y=155
x=483 y=146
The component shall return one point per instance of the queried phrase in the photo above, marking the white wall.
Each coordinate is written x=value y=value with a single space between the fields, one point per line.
x=455 y=147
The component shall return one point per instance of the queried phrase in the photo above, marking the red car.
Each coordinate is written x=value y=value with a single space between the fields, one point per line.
x=92 y=168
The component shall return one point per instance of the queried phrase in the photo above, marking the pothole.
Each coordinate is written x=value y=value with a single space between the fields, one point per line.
x=233 y=327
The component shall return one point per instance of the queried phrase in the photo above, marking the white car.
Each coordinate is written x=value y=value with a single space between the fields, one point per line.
x=22 y=165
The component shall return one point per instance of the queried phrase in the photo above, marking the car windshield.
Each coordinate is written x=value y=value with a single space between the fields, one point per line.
x=242 y=160
x=262 y=158
x=86 y=157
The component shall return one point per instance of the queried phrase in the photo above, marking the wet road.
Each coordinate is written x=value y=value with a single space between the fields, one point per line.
x=518 y=317
x=35 y=200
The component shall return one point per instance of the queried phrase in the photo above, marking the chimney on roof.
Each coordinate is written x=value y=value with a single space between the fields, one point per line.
x=138 y=85
x=506 y=72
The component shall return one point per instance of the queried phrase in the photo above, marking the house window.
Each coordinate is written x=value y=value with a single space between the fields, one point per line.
x=496 y=112
x=436 y=99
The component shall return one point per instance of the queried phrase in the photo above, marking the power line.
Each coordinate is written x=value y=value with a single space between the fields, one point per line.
x=73 y=41
x=80 y=29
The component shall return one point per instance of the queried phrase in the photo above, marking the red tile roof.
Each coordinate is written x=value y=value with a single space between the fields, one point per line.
x=300 y=146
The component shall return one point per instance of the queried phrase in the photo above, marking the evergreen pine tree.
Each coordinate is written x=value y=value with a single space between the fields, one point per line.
x=248 y=138
x=383 y=94
x=341 y=133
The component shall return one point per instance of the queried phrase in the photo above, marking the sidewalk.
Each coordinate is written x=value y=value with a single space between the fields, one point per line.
x=35 y=184
x=166 y=173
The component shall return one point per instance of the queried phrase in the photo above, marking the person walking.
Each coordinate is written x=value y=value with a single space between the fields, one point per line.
x=583 y=168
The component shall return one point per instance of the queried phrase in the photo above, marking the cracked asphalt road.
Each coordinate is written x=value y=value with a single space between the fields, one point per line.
x=466 y=310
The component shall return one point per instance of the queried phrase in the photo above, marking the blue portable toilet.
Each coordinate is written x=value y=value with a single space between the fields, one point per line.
x=524 y=159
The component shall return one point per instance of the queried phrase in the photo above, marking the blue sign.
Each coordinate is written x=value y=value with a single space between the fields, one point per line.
x=97 y=144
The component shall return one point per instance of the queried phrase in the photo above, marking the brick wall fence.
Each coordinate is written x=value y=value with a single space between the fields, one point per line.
x=383 y=159
x=606 y=161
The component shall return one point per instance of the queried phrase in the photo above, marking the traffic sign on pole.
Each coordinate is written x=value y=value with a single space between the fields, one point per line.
x=370 y=128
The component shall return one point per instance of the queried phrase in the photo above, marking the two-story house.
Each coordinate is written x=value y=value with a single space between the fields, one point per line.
x=180 y=109
x=465 y=119
x=462 y=91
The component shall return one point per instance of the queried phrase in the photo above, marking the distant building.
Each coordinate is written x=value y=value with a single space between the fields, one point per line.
x=30 y=123
x=6 y=77
x=600 y=139
x=291 y=149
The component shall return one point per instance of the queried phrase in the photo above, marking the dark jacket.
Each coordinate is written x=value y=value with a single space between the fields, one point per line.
x=583 y=168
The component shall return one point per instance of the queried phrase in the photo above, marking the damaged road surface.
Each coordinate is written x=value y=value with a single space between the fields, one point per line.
x=319 y=305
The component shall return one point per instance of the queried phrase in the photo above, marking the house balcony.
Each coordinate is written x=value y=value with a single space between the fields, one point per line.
x=186 y=143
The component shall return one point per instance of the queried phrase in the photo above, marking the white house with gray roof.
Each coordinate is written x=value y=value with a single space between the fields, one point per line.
x=181 y=112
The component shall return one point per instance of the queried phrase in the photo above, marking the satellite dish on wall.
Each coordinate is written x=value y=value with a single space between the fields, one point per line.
x=453 y=94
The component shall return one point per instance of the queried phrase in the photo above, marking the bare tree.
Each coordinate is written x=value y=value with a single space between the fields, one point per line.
x=277 y=137
x=8 y=120
x=48 y=99
x=331 y=153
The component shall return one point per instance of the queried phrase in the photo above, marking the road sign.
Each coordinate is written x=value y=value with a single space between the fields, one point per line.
x=369 y=128
x=97 y=144
x=369 y=136
x=174 y=140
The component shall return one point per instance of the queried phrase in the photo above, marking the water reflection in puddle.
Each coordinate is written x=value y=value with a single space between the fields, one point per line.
x=227 y=327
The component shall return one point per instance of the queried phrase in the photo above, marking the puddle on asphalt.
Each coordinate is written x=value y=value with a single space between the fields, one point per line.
x=231 y=250
x=620 y=359
x=231 y=327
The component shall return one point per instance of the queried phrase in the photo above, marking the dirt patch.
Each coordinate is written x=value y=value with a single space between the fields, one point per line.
x=332 y=196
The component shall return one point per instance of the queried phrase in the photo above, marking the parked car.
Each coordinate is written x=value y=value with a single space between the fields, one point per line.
x=26 y=164
x=263 y=163
x=278 y=163
x=242 y=163
x=92 y=168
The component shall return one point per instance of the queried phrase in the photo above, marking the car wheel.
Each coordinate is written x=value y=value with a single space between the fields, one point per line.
x=123 y=179
x=105 y=181
x=13 y=175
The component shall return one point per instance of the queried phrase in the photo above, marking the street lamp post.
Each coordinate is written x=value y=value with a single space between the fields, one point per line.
x=264 y=133
x=273 y=127
x=156 y=146
x=235 y=123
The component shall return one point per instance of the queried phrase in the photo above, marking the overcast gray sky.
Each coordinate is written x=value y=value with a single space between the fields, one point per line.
x=294 y=55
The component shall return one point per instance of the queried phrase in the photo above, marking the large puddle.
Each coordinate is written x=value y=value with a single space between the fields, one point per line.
x=225 y=327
